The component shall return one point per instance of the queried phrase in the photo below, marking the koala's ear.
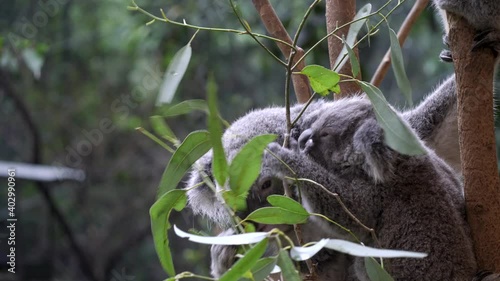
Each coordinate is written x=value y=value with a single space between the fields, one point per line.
x=368 y=141
x=201 y=198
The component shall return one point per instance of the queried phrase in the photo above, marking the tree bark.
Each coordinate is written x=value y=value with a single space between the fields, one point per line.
x=474 y=74
x=339 y=12
x=277 y=30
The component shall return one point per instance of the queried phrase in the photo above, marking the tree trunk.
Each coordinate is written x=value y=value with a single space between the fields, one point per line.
x=474 y=74
x=339 y=12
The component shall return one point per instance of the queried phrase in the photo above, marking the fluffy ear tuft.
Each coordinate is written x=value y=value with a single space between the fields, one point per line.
x=378 y=158
x=201 y=198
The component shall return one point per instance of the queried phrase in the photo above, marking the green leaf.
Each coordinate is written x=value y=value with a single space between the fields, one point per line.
x=191 y=149
x=353 y=59
x=287 y=268
x=219 y=162
x=245 y=167
x=398 y=66
x=162 y=129
x=237 y=202
x=397 y=133
x=263 y=268
x=275 y=215
x=354 y=29
x=184 y=107
x=375 y=271
x=322 y=79
x=236 y=239
x=246 y=263
x=174 y=74
x=287 y=203
x=159 y=213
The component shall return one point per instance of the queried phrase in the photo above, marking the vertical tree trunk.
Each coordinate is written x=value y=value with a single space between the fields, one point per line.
x=339 y=12
x=474 y=74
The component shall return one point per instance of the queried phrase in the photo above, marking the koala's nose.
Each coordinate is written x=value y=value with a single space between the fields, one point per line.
x=305 y=139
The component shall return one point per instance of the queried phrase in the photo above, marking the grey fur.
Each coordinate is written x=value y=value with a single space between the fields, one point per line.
x=413 y=203
x=433 y=116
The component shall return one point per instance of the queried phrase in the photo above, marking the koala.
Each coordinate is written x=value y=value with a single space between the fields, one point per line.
x=433 y=116
x=483 y=15
x=413 y=202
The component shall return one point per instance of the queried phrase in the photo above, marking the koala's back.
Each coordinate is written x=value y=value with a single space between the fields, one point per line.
x=423 y=210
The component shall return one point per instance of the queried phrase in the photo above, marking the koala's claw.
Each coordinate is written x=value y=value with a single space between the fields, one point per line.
x=489 y=38
x=446 y=56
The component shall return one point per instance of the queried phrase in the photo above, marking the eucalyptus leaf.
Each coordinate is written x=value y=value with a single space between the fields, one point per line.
x=398 y=66
x=288 y=270
x=159 y=213
x=219 y=162
x=322 y=80
x=397 y=133
x=174 y=74
x=359 y=250
x=191 y=149
x=287 y=203
x=263 y=267
x=34 y=61
x=354 y=60
x=246 y=263
x=354 y=29
x=245 y=167
x=236 y=239
x=162 y=129
x=275 y=215
x=184 y=107
x=375 y=271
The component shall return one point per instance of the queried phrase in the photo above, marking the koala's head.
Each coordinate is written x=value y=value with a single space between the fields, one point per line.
x=346 y=138
x=202 y=199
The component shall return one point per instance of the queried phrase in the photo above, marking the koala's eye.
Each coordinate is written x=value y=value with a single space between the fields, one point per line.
x=266 y=185
x=323 y=134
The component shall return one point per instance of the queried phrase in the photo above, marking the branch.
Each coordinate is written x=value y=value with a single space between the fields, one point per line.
x=474 y=73
x=340 y=12
x=403 y=33
x=277 y=30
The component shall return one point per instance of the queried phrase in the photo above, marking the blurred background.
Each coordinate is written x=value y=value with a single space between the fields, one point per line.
x=77 y=78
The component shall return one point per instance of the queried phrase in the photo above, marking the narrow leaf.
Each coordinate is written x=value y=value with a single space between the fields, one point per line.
x=184 y=107
x=237 y=202
x=398 y=66
x=322 y=79
x=287 y=203
x=191 y=149
x=397 y=133
x=246 y=262
x=354 y=60
x=162 y=129
x=237 y=239
x=364 y=251
x=159 y=213
x=274 y=215
x=354 y=29
x=174 y=74
x=263 y=268
x=219 y=162
x=305 y=253
x=375 y=271
x=245 y=167
x=287 y=268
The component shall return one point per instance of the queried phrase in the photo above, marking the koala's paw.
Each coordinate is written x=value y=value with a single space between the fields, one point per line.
x=223 y=257
x=489 y=38
x=485 y=275
x=445 y=54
